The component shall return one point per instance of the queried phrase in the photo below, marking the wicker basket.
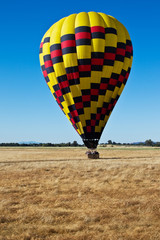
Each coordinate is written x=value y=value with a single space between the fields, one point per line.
x=93 y=155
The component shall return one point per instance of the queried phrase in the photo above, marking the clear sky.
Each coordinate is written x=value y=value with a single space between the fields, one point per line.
x=28 y=111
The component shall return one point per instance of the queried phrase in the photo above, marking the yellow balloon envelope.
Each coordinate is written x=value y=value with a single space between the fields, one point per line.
x=86 y=59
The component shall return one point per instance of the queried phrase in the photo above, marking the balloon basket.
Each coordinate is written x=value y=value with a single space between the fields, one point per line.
x=92 y=154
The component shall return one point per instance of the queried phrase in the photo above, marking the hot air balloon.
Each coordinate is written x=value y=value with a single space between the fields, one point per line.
x=86 y=59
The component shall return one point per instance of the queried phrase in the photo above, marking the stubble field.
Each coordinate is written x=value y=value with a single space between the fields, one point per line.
x=59 y=194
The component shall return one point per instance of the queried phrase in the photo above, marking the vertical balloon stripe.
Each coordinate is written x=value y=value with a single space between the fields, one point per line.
x=83 y=48
x=109 y=58
x=97 y=60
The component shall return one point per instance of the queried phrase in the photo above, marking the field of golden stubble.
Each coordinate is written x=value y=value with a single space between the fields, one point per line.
x=59 y=194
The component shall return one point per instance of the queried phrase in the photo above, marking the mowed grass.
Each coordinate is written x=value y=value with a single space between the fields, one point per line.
x=59 y=194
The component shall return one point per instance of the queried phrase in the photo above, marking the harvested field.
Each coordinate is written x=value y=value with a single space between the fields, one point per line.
x=59 y=194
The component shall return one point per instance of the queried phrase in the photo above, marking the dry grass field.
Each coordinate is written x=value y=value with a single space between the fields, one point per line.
x=59 y=194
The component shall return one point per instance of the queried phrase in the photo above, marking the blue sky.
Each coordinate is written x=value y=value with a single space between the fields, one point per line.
x=28 y=111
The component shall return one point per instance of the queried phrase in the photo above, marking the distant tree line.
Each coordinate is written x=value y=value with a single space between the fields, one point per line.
x=69 y=144
x=148 y=142
x=76 y=144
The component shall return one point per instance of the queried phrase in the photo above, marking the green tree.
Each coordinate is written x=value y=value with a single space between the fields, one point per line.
x=74 y=144
x=149 y=142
